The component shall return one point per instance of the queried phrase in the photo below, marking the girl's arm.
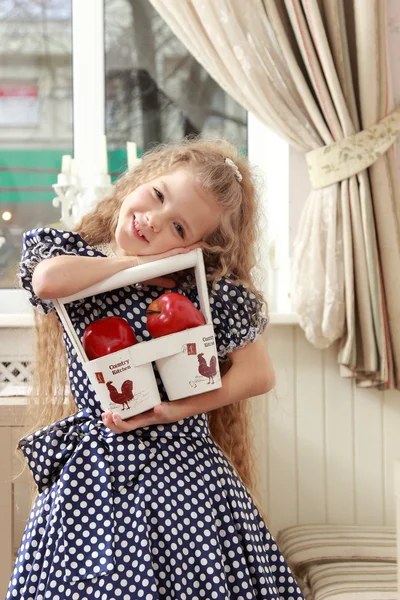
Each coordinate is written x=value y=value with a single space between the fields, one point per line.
x=251 y=374
x=65 y=275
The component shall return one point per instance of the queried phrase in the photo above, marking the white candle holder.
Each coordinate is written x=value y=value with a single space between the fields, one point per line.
x=78 y=195
x=76 y=198
x=66 y=199
x=90 y=194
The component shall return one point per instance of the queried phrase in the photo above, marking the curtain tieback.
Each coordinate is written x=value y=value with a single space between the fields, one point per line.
x=351 y=155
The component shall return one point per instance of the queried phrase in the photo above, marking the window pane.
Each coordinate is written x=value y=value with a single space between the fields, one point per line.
x=35 y=118
x=155 y=90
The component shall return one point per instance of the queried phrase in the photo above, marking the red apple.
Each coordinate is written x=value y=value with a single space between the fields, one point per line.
x=106 y=336
x=172 y=312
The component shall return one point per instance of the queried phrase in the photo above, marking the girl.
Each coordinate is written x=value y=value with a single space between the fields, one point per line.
x=150 y=507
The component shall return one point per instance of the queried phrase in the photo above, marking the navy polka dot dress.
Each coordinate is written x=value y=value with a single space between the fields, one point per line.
x=158 y=513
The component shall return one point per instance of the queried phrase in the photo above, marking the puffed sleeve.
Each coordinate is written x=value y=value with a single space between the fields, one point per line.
x=238 y=315
x=40 y=244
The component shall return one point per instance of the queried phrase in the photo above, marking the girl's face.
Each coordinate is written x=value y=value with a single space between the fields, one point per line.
x=171 y=211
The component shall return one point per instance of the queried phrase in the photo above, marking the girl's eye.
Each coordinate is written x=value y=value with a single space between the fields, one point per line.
x=159 y=194
x=180 y=230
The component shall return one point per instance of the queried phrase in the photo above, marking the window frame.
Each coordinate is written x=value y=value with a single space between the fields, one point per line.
x=270 y=155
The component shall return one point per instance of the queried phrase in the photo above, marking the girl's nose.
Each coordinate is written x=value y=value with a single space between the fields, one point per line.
x=154 y=221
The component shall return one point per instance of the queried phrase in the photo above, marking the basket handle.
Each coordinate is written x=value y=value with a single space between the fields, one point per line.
x=133 y=275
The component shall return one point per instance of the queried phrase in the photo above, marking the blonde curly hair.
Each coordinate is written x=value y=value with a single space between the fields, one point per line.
x=229 y=249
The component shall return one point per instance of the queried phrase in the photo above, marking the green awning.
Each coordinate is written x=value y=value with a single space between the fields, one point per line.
x=26 y=176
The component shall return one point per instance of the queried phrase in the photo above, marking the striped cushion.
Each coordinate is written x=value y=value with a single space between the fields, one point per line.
x=303 y=545
x=352 y=581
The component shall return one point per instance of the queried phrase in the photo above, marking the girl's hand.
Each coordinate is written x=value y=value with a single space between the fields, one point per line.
x=166 y=412
x=165 y=282
x=146 y=258
x=236 y=385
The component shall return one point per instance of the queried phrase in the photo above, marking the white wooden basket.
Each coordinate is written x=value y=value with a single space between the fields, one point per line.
x=187 y=361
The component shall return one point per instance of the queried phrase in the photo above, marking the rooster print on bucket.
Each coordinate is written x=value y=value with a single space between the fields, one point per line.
x=122 y=397
x=207 y=370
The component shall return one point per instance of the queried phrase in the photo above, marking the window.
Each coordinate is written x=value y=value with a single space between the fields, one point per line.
x=35 y=118
x=149 y=90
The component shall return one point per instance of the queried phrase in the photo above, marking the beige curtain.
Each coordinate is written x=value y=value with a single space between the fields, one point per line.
x=316 y=71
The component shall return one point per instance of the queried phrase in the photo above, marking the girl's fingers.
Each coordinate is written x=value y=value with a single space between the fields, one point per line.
x=146 y=258
x=154 y=416
x=195 y=246
x=108 y=422
x=164 y=282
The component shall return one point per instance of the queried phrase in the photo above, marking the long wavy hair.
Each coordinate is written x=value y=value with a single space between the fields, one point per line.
x=230 y=249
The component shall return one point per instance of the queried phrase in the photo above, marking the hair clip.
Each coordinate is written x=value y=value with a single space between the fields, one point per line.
x=238 y=174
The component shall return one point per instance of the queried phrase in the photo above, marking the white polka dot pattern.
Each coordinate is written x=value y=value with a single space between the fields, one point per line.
x=158 y=513
x=84 y=445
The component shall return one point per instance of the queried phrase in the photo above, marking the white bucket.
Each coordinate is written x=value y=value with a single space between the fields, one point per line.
x=122 y=387
x=195 y=368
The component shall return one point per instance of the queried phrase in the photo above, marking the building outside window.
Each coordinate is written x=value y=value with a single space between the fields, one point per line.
x=35 y=118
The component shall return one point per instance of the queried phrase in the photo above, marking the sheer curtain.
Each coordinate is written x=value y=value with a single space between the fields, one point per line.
x=316 y=71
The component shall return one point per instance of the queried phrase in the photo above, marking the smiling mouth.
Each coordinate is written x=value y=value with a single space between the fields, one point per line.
x=137 y=232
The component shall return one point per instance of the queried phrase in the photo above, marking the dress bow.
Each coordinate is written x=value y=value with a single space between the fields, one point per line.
x=86 y=460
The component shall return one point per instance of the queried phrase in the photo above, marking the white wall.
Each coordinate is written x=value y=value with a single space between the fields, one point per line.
x=328 y=448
